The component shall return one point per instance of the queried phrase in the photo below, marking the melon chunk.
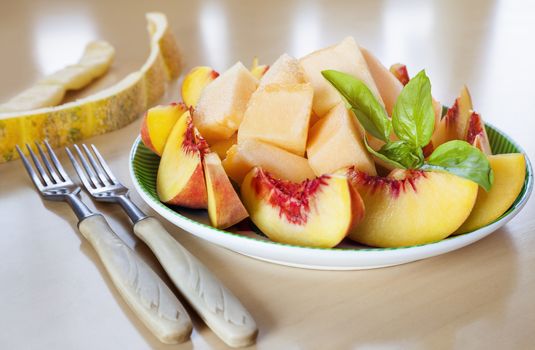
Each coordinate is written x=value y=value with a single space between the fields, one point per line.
x=335 y=142
x=222 y=103
x=285 y=70
x=241 y=158
x=388 y=85
x=345 y=57
x=279 y=114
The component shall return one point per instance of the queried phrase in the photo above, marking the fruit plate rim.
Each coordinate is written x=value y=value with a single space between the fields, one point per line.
x=359 y=257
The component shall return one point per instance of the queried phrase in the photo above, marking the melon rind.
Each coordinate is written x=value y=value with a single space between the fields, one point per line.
x=105 y=111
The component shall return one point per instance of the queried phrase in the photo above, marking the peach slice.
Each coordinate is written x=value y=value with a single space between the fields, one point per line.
x=285 y=70
x=180 y=179
x=400 y=72
x=454 y=125
x=477 y=135
x=279 y=114
x=157 y=125
x=509 y=174
x=388 y=84
x=313 y=213
x=221 y=147
x=335 y=142
x=345 y=57
x=195 y=82
x=410 y=207
x=222 y=104
x=241 y=158
x=258 y=70
x=224 y=206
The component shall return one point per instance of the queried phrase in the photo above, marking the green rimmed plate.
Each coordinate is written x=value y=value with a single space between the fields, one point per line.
x=346 y=256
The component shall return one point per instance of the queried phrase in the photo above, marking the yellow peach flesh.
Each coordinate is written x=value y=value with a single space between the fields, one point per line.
x=180 y=179
x=157 y=125
x=509 y=174
x=195 y=82
x=323 y=221
x=412 y=208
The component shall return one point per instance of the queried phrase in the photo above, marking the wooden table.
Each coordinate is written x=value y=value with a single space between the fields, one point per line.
x=54 y=291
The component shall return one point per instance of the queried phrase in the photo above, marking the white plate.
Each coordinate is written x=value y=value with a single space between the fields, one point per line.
x=346 y=256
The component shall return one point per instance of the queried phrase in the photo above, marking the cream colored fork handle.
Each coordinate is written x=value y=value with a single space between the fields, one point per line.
x=142 y=289
x=216 y=305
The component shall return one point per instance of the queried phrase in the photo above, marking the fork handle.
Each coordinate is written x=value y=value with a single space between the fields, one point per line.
x=141 y=288
x=214 y=303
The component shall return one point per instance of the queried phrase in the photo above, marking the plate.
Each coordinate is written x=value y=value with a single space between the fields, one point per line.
x=346 y=256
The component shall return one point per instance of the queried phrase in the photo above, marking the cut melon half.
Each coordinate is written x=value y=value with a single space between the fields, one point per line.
x=107 y=110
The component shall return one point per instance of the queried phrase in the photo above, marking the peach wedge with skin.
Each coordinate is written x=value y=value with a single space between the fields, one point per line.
x=224 y=206
x=157 y=125
x=180 y=179
x=509 y=174
x=195 y=82
x=477 y=134
x=313 y=213
x=454 y=125
x=258 y=70
x=410 y=207
x=399 y=70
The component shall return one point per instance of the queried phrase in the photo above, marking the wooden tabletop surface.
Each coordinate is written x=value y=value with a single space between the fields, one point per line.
x=54 y=290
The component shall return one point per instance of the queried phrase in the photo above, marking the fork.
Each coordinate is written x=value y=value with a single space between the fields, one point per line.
x=216 y=305
x=141 y=288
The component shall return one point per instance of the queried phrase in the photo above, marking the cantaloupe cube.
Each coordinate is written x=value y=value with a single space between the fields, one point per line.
x=241 y=158
x=222 y=103
x=285 y=70
x=388 y=85
x=335 y=141
x=345 y=57
x=279 y=114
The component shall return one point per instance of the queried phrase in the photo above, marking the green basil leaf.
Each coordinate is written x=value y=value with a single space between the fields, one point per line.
x=413 y=117
x=403 y=153
x=461 y=159
x=371 y=115
x=382 y=156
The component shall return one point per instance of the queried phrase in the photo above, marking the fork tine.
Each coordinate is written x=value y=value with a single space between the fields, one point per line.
x=104 y=165
x=56 y=162
x=39 y=167
x=96 y=167
x=51 y=170
x=35 y=178
x=85 y=180
x=92 y=178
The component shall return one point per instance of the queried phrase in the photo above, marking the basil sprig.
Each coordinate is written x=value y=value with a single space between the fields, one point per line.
x=462 y=159
x=413 y=116
x=358 y=97
x=413 y=122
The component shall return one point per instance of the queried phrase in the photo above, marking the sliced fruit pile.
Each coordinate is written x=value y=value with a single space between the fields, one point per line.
x=330 y=146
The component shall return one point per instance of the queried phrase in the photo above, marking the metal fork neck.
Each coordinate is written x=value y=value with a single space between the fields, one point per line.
x=79 y=208
x=134 y=213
